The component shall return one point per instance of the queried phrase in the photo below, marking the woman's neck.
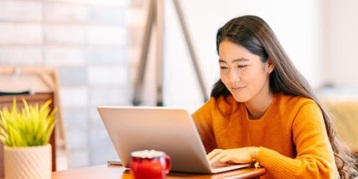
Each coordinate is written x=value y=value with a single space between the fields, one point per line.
x=257 y=107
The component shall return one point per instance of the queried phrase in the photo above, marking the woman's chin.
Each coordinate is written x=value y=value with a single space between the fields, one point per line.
x=240 y=98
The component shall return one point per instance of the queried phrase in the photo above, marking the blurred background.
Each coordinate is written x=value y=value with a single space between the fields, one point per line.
x=95 y=45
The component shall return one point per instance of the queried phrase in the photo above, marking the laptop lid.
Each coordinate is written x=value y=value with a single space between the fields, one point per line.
x=170 y=130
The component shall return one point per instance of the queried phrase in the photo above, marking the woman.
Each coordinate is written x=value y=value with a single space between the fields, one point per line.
x=263 y=111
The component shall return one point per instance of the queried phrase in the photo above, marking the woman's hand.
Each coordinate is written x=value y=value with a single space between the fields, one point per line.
x=237 y=155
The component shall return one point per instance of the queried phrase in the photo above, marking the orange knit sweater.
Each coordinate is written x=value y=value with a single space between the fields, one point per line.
x=291 y=135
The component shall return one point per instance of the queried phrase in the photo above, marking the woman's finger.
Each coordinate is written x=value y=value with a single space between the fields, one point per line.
x=213 y=153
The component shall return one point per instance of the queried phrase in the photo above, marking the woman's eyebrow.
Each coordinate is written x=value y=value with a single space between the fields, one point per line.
x=235 y=60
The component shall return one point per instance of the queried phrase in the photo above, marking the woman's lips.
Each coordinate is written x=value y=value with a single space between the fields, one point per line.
x=237 y=88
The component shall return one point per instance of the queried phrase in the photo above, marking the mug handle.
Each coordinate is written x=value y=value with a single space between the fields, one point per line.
x=168 y=164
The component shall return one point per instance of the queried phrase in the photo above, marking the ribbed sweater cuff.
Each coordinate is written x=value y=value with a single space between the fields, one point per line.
x=277 y=163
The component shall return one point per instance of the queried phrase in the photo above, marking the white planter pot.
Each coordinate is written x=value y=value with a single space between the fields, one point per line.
x=28 y=162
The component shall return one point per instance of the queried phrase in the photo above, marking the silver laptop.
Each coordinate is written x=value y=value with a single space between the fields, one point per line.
x=171 y=130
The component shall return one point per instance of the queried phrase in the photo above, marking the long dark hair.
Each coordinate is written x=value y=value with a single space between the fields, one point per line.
x=254 y=34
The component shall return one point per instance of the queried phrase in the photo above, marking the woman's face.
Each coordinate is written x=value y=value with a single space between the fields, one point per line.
x=243 y=73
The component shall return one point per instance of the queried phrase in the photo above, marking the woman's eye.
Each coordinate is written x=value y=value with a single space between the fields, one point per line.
x=223 y=67
x=241 y=66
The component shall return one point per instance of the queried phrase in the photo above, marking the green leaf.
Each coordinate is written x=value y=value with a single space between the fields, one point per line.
x=30 y=126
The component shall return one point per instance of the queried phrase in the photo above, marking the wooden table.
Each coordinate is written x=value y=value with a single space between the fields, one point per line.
x=116 y=172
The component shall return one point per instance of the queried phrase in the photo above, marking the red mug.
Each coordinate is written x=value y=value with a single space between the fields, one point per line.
x=149 y=164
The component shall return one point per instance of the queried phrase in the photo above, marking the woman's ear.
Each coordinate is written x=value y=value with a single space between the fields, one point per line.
x=270 y=66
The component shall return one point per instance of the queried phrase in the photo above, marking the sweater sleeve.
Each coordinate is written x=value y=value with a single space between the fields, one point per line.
x=314 y=158
x=203 y=121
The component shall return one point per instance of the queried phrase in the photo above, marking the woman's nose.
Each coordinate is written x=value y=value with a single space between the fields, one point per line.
x=234 y=76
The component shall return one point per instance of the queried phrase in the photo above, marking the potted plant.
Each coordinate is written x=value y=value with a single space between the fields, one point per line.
x=25 y=133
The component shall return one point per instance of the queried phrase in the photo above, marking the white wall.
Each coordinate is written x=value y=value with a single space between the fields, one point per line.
x=342 y=51
x=298 y=25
